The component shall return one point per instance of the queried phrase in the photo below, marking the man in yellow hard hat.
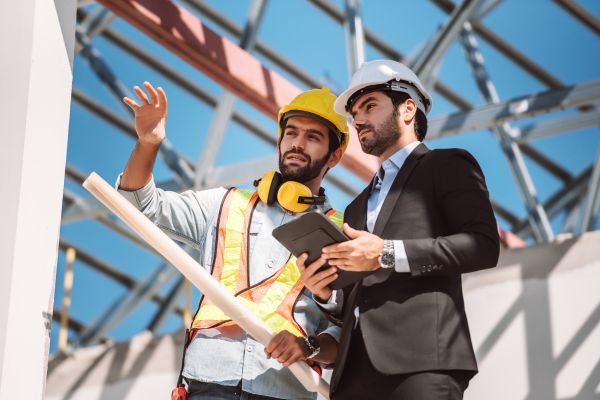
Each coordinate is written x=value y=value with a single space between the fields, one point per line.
x=231 y=228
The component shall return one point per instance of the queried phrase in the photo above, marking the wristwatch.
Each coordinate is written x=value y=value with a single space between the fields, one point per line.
x=387 y=258
x=313 y=346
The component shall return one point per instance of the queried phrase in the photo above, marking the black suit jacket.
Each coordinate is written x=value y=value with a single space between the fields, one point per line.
x=439 y=206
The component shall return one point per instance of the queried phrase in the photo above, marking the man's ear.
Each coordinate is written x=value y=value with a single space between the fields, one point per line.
x=409 y=110
x=334 y=158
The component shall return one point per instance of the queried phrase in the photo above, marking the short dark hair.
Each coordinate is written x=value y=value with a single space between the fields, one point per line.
x=398 y=98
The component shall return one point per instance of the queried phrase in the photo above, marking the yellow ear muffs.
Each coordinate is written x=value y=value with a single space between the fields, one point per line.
x=289 y=194
x=267 y=187
x=292 y=196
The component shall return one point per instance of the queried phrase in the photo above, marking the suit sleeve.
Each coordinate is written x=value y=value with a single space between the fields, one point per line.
x=471 y=242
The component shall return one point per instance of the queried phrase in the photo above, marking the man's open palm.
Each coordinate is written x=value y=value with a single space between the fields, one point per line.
x=151 y=115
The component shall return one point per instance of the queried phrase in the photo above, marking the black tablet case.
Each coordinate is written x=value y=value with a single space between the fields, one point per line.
x=311 y=232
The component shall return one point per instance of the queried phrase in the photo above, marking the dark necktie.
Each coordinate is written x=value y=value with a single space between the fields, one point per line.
x=379 y=178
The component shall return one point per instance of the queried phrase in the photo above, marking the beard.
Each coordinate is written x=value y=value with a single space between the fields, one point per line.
x=310 y=171
x=381 y=138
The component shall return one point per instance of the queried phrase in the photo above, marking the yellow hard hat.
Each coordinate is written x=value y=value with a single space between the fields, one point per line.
x=317 y=103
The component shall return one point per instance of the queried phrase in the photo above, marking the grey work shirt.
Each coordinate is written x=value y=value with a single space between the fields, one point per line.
x=191 y=217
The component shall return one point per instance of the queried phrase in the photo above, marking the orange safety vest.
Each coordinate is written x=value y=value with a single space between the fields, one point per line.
x=272 y=299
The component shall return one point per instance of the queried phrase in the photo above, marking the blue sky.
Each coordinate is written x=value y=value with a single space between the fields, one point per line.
x=309 y=39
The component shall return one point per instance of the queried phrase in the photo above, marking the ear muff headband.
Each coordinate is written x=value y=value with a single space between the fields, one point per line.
x=267 y=187
x=292 y=196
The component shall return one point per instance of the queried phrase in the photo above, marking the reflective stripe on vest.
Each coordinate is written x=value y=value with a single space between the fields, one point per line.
x=273 y=299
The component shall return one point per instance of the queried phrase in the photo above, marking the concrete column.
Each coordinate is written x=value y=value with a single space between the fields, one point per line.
x=36 y=42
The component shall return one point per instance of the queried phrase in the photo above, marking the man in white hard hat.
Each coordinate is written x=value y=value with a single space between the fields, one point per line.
x=231 y=229
x=424 y=220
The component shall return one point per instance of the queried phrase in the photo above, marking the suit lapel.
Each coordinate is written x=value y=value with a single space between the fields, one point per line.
x=357 y=218
x=397 y=187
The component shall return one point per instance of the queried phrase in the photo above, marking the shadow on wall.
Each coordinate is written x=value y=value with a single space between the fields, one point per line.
x=533 y=320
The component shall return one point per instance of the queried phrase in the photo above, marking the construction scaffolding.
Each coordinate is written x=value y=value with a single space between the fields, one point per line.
x=234 y=80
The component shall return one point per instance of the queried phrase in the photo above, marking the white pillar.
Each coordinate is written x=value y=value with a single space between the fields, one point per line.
x=36 y=47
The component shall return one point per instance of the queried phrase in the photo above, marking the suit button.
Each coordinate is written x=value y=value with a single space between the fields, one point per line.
x=429 y=269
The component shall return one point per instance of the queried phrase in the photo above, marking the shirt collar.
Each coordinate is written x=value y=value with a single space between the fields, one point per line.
x=393 y=164
x=397 y=159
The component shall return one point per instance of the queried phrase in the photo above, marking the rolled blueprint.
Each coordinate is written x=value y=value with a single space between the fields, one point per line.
x=196 y=274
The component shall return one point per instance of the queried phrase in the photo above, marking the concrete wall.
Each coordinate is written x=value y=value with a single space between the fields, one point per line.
x=534 y=321
x=36 y=42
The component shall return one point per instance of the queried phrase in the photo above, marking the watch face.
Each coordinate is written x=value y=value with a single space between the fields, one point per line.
x=387 y=259
x=313 y=342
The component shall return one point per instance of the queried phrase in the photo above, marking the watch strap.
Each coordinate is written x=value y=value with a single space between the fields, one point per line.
x=313 y=346
x=387 y=257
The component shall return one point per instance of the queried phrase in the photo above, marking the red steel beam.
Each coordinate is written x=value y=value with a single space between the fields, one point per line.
x=236 y=70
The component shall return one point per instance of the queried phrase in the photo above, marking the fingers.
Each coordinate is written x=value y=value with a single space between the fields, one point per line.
x=339 y=248
x=131 y=103
x=274 y=344
x=313 y=278
x=140 y=93
x=351 y=232
x=321 y=283
x=300 y=262
x=162 y=97
x=153 y=93
x=284 y=347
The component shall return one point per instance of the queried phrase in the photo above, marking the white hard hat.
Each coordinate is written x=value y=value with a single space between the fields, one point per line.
x=375 y=75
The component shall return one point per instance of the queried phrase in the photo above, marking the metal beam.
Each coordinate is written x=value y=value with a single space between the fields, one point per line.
x=490 y=115
x=221 y=60
x=125 y=127
x=117 y=227
x=116 y=121
x=577 y=11
x=124 y=306
x=504 y=213
x=355 y=36
x=73 y=324
x=233 y=68
x=224 y=109
x=537 y=215
x=80 y=209
x=108 y=271
x=183 y=82
x=565 y=124
x=93 y=24
x=242 y=172
x=425 y=65
x=543 y=161
x=487 y=8
x=592 y=201
x=566 y=197
x=167 y=307
x=503 y=47
x=178 y=166
x=261 y=48
x=377 y=43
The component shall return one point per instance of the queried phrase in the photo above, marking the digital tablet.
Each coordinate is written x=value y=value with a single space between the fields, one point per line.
x=311 y=232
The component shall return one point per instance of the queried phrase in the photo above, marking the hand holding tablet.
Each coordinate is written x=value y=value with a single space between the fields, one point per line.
x=309 y=234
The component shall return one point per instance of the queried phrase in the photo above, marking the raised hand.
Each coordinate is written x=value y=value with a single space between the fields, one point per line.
x=151 y=115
